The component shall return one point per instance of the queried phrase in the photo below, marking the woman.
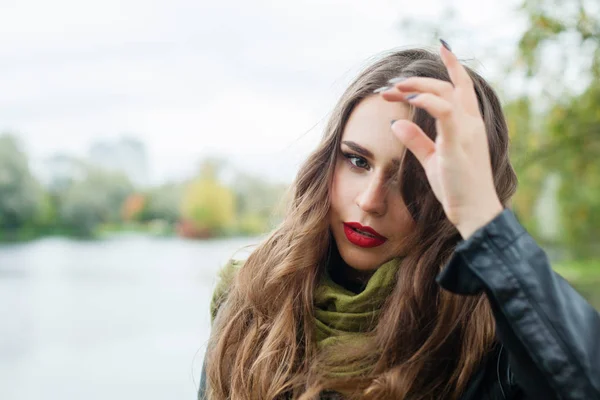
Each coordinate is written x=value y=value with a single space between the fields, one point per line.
x=398 y=272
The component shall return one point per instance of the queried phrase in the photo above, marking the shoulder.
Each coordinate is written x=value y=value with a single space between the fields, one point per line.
x=225 y=279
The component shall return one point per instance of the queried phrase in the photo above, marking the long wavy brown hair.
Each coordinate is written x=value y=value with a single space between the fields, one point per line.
x=427 y=342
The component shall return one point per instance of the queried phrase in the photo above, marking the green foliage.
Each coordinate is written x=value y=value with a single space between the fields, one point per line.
x=550 y=22
x=525 y=138
x=576 y=125
x=259 y=203
x=583 y=270
x=584 y=275
x=95 y=199
x=20 y=194
x=541 y=28
x=163 y=203
x=48 y=213
x=563 y=137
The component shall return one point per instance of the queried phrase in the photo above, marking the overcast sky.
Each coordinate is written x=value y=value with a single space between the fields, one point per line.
x=249 y=80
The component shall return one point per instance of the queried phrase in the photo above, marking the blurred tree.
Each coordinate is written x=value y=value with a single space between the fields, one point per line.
x=259 y=204
x=133 y=207
x=21 y=196
x=81 y=210
x=208 y=204
x=562 y=137
x=578 y=163
x=163 y=203
x=95 y=199
x=47 y=219
x=525 y=135
x=570 y=30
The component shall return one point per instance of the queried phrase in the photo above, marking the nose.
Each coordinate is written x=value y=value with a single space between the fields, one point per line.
x=373 y=198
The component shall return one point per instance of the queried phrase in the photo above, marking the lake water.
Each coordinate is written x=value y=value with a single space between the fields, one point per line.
x=123 y=318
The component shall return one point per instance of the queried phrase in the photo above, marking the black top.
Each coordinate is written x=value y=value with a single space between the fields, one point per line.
x=548 y=335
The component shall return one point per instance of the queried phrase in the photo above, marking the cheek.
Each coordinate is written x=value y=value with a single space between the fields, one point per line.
x=341 y=187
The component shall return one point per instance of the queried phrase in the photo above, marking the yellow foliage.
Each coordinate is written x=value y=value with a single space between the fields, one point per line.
x=208 y=205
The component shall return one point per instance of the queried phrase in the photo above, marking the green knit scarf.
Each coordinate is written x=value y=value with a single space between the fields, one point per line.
x=341 y=316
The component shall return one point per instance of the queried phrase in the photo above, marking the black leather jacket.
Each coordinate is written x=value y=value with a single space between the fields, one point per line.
x=548 y=335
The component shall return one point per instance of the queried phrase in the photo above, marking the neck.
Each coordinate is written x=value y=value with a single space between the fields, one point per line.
x=346 y=276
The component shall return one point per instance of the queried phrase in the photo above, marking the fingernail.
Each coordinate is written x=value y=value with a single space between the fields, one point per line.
x=382 y=89
x=411 y=96
x=393 y=81
x=445 y=44
x=392 y=122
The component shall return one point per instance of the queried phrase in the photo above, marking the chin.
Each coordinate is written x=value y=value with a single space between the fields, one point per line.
x=359 y=259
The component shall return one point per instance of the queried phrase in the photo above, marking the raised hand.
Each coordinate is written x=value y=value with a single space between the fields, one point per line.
x=457 y=164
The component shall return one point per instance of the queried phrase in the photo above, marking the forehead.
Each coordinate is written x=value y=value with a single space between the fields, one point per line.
x=369 y=126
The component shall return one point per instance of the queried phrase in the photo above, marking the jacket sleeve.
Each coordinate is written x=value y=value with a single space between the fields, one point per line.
x=551 y=334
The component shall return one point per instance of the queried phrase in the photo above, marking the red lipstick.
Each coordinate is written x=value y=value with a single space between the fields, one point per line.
x=363 y=236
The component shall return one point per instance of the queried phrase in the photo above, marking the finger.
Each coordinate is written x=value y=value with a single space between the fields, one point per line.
x=429 y=85
x=436 y=106
x=461 y=79
x=414 y=139
x=394 y=94
x=458 y=74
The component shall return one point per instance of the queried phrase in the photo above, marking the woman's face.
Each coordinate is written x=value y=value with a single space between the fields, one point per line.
x=364 y=192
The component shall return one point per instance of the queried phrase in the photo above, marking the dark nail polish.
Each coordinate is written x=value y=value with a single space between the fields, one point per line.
x=382 y=89
x=445 y=44
x=411 y=96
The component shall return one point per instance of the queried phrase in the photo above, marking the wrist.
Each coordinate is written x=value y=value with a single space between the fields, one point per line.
x=478 y=220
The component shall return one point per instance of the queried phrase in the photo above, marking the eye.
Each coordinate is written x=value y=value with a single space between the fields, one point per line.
x=356 y=161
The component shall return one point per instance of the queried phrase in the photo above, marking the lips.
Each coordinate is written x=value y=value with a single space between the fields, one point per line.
x=363 y=236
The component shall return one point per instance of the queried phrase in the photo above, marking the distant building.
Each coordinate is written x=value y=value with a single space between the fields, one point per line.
x=127 y=155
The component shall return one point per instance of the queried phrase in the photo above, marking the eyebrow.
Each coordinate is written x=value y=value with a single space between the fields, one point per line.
x=358 y=148
x=366 y=153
